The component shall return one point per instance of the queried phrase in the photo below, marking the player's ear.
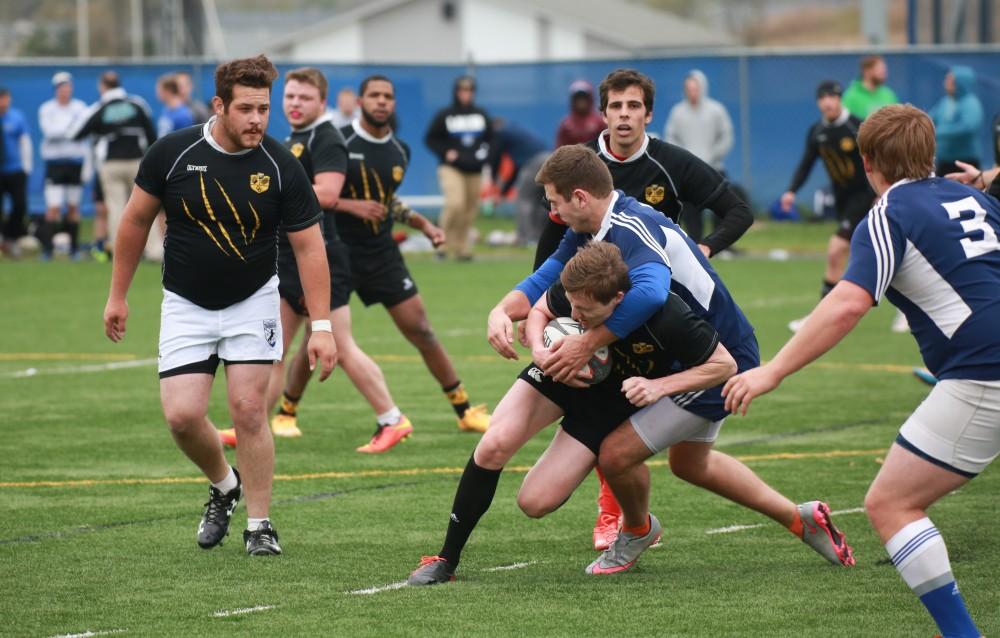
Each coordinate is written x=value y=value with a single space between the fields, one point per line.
x=618 y=297
x=649 y=117
x=217 y=105
x=582 y=196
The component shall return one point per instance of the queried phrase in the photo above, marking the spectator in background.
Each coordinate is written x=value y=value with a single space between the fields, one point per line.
x=15 y=165
x=64 y=163
x=527 y=152
x=199 y=110
x=347 y=108
x=957 y=118
x=460 y=135
x=583 y=123
x=124 y=129
x=702 y=126
x=869 y=93
x=176 y=113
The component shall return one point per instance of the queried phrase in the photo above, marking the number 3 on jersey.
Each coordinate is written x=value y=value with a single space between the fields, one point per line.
x=972 y=244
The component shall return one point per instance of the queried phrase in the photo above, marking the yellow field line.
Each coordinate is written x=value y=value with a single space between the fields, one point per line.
x=65 y=356
x=418 y=471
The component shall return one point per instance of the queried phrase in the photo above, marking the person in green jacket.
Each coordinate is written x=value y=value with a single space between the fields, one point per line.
x=869 y=92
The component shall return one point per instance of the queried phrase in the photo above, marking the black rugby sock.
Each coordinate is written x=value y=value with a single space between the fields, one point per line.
x=475 y=493
x=73 y=228
x=827 y=287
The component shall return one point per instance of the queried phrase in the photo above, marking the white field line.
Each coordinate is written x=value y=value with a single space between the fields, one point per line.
x=739 y=528
x=94 y=367
x=89 y=634
x=225 y=613
x=401 y=584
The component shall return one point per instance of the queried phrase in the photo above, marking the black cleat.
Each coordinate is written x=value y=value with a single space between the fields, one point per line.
x=433 y=570
x=219 y=509
x=263 y=541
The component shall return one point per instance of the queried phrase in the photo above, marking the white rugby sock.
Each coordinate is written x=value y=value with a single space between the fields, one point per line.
x=227 y=484
x=254 y=524
x=391 y=417
x=919 y=554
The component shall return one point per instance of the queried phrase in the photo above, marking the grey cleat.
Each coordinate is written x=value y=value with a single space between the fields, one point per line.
x=263 y=541
x=219 y=509
x=625 y=550
x=819 y=532
x=433 y=570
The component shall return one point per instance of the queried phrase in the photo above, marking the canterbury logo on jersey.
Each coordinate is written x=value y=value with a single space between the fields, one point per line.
x=224 y=235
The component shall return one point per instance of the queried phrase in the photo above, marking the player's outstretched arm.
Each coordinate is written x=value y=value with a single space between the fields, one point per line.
x=314 y=271
x=719 y=366
x=832 y=319
x=137 y=218
x=500 y=322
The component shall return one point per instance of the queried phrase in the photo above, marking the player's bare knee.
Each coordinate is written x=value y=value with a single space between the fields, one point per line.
x=876 y=506
x=692 y=472
x=492 y=453
x=422 y=335
x=182 y=420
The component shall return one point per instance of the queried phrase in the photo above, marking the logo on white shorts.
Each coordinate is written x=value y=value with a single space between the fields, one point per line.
x=271 y=332
x=535 y=374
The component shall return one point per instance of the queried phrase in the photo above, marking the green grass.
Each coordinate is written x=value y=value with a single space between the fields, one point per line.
x=112 y=555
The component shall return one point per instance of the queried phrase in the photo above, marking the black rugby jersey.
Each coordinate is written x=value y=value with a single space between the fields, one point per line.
x=321 y=149
x=223 y=212
x=666 y=176
x=836 y=143
x=375 y=169
x=672 y=340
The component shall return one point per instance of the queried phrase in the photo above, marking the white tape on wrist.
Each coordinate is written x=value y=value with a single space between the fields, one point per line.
x=322 y=325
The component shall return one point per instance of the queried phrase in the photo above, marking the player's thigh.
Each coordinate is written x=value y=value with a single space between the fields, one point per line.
x=555 y=475
x=185 y=397
x=521 y=414
x=907 y=481
x=665 y=424
x=246 y=385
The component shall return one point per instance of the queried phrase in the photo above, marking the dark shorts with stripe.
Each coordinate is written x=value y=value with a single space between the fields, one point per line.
x=381 y=277
x=290 y=284
x=851 y=209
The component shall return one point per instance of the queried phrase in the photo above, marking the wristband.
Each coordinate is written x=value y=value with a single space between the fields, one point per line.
x=322 y=325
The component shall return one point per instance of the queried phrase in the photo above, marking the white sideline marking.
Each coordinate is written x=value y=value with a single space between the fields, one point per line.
x=376 y=590
x=88 y=634
x=504 y=568
x=401 y=584
x=224 y=613
x=739 y=528
x=94 y=367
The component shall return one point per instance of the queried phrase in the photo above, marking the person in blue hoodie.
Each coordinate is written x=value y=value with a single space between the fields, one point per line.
x=958 y=117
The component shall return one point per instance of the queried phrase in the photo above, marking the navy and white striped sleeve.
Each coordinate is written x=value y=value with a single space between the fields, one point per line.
x=639 y=242
x=877 y=248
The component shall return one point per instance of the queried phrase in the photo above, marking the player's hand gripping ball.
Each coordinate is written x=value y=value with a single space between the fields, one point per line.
x=599 y=366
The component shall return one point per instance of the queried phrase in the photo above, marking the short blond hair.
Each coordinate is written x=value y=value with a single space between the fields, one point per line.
x=309 y=75
x=898 y=142
x=575 y=166
x=596 y=270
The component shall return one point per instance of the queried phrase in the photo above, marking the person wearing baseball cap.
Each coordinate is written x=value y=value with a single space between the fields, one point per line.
x=834 y=139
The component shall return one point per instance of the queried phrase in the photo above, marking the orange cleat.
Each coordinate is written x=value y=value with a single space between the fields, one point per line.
x=386 y=436
x=228 y=437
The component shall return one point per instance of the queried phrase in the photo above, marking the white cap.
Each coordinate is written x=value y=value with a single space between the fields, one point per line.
x=62 y=77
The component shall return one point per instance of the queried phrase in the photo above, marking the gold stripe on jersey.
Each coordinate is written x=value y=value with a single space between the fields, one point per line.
x=364 y=180
x=256 y=221
x=211 y=215
x=374 y=223
x=354 y=193
x=840 y=168
x=203 y=227
x=239 y=222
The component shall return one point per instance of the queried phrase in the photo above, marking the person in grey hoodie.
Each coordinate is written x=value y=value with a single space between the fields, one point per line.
x=701 y=125
x=958 y=118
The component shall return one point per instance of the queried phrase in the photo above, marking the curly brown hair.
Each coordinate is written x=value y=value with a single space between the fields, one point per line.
x=256 y=72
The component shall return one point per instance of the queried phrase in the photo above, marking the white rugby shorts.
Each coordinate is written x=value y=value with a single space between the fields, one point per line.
x=957 y=426
x=59 y=195
x=247 y=331
x=665 y=423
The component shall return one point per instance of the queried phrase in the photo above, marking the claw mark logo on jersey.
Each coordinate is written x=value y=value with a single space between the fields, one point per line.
x=642 y=348
x=846 y=144
x=259 y=182
x=297 y=149
x=271 y=332
x=248 y=235
x=397 y=173
x=655 y=194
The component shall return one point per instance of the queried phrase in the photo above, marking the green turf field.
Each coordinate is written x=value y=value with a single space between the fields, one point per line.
x=99 y=509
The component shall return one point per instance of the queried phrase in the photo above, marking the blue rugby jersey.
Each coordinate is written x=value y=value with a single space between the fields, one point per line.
x=930 y=246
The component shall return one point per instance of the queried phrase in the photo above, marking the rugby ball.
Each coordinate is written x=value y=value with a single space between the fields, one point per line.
x=599 y=366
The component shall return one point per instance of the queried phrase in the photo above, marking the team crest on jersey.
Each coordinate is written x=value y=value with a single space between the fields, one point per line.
x=642 y=348
x=397 y=173
x=297 y=149
x=655 y=194
x=847 y=144
x=259 y=182
x=271 y=332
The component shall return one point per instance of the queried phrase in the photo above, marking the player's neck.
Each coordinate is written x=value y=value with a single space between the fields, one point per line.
x=218 y=134
x=622 y=152
x=377 y=132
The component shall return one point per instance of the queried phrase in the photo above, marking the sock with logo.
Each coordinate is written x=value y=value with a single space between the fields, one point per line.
x=391 y=417
x=458 y=398
x=289 y=404
x=227 y=484
x=475 y=493
x=919 y=554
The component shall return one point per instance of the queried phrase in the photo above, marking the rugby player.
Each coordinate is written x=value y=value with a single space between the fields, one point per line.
x=930 y=246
